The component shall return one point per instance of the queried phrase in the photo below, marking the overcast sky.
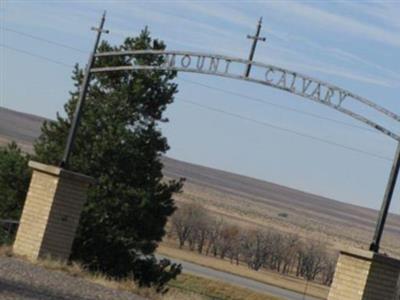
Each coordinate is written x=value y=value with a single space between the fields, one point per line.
x=352 y=44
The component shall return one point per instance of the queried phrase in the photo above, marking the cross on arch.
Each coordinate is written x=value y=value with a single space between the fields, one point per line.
x=255 y=39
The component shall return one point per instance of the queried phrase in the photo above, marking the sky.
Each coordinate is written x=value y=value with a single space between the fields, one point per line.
x=227 y=124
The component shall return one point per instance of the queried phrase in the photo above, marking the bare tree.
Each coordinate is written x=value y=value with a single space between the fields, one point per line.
x=213 y=235
x=311 y=260
x=235 y=249
x=276 y=251
x=226 y=239
x=255 y=248
x=290 y=248
x=184 y=220
x=201 y=226
x=329 y=268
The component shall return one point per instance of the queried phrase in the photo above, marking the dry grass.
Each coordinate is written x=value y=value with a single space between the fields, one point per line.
x=183 y=288
x=215 y=289
x=78 y=270
x=73 y=269
x=273 y=278
x=6 y=250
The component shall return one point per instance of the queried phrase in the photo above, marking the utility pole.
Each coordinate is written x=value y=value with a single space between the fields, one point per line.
x=386 y=202
x=255 y=39
x=82 y=95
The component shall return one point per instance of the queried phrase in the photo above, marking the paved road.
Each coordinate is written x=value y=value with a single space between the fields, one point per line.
x=250 y=284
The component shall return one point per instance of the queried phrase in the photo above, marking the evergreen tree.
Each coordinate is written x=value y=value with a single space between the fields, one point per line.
x=14 y=182
x=120 y=144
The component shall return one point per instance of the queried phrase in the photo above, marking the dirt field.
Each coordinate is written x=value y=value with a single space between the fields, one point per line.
x=250 y=202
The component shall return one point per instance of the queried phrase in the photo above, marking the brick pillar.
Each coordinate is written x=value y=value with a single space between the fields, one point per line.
x=364 y=275
x=51 y=212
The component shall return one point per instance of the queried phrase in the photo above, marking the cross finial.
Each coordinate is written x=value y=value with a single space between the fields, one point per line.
x=82 y=94
x=100 y=29
x=255 y=39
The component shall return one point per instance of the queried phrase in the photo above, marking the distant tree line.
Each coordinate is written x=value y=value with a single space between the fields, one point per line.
x=286 y=253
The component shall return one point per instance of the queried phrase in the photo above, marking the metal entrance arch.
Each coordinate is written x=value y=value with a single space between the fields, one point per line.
x=237 y=68
x=269 y=75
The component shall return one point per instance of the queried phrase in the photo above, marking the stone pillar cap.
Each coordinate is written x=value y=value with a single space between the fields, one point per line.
x=60 y=172
x=370 y=255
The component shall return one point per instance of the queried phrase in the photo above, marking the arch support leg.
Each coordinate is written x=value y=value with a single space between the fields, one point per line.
x=386 y=202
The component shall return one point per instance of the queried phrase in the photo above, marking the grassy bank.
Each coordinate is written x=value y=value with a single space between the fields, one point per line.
x=212 y=289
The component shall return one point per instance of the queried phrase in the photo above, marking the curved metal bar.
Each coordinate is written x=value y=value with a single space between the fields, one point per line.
x=280 y=78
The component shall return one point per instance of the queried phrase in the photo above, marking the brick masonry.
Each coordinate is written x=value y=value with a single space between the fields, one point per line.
x=364 y=275
x=51 y=212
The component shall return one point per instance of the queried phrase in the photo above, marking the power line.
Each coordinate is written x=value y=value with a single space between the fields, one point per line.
x=37 y=56
x=44 y=40
x=226 y=112
x=238 y=116
x=279 y=106
x=283 y=107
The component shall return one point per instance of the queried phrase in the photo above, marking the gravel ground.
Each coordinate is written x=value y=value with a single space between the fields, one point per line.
x=22 y=280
